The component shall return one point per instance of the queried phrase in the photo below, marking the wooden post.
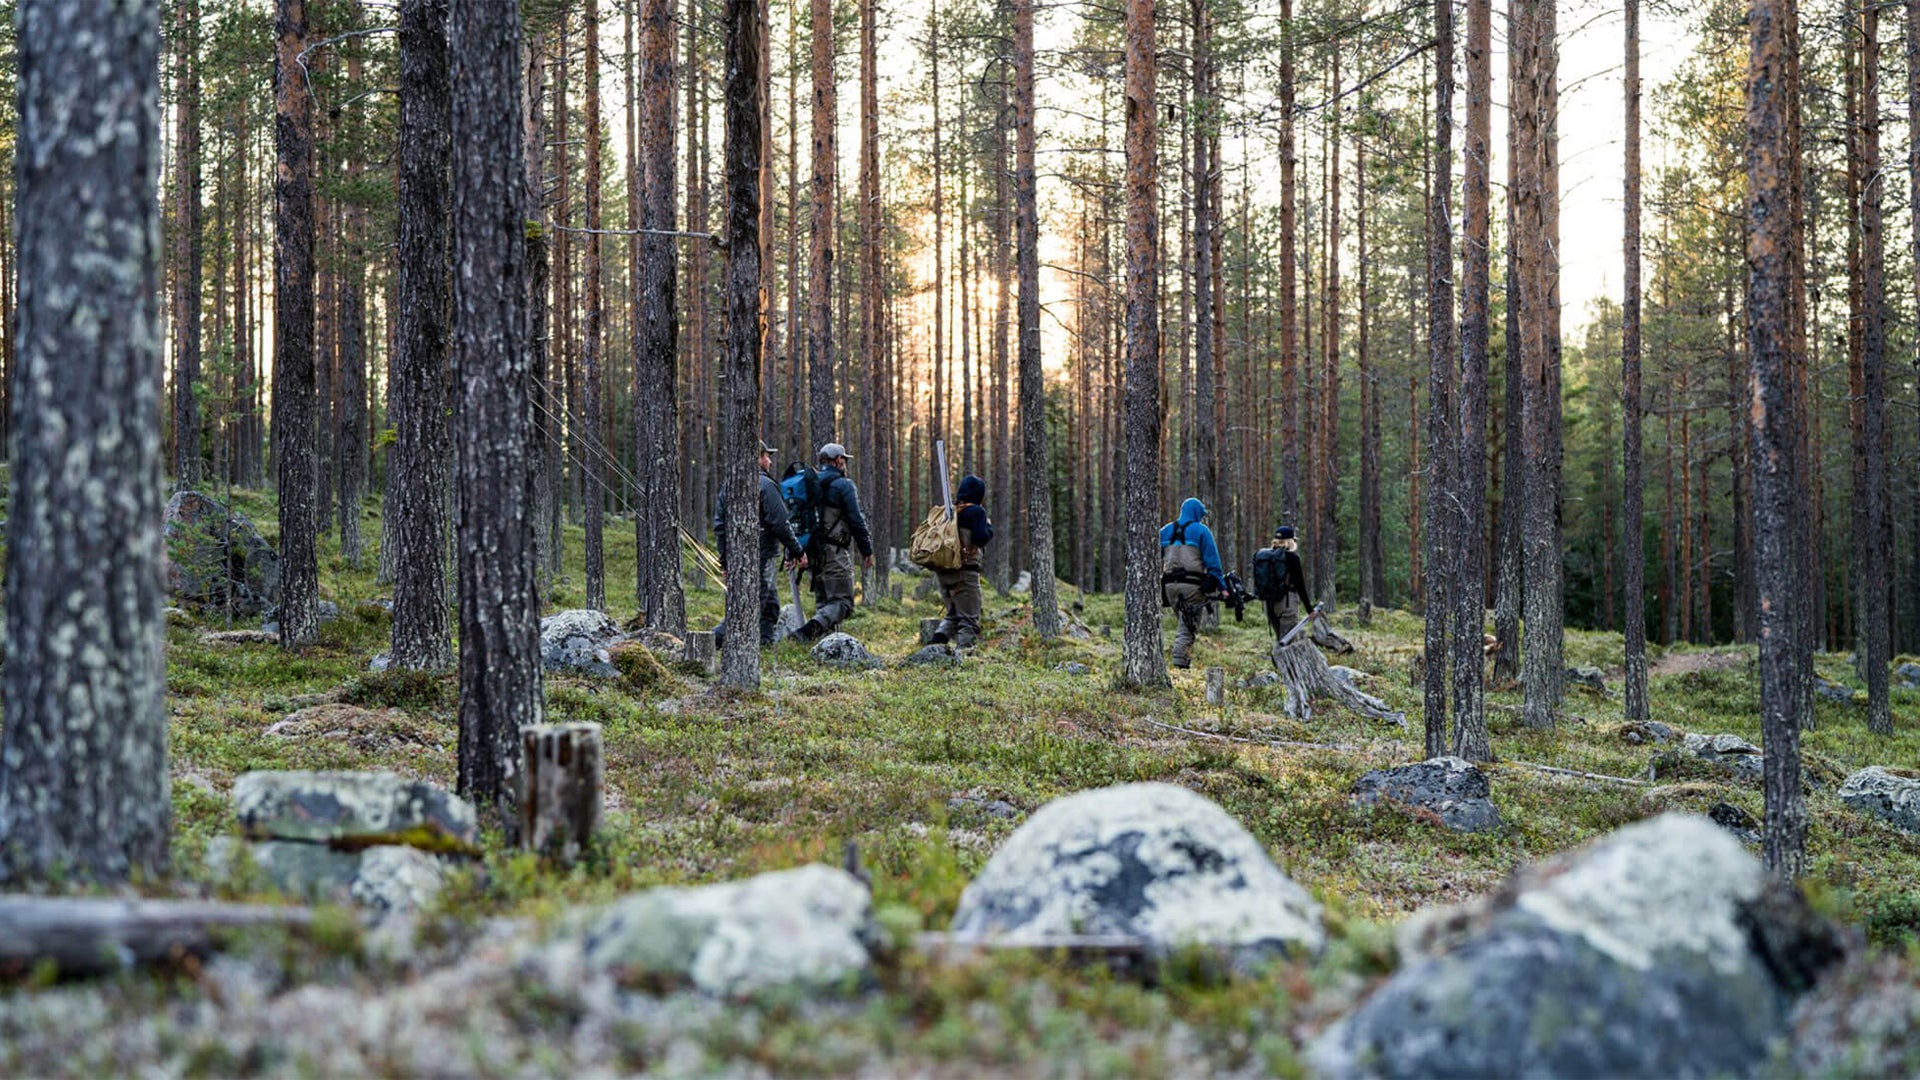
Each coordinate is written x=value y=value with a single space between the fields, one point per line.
x=927 y=627
x=898 y=592
x=700 y=650
x=1216 y=686
x=561 y=788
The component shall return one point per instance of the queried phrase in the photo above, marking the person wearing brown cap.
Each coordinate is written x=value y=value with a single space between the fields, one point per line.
x=842 y=528
x=776 y=535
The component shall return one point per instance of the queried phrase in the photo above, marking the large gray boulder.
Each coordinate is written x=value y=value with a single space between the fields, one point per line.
x=353 y=809
x=388 y=878
x=1150 y=862
x=1730 y=753
x=1887 y=795
x=578 y=641
x=843 y=650
x=1450 y=789
x=811 y=927
x=394 y=879
x=216 y=557
x=1661 y=950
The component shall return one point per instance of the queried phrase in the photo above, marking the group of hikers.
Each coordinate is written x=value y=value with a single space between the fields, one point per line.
x=810 y=520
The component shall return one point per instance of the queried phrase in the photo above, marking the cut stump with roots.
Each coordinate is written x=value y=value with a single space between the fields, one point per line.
x=1304 y=676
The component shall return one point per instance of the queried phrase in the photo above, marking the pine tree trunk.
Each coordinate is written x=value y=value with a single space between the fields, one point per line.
x=820 y=411
x=1440 y=446
x=351 y=438
x=1469 y=585
x=1033 y=406
x=83 y=752
x=1633 y=558
x=1913 y=186
x=417 y=486
x=592 y=448
x=1202 y=453
x=999 y=561
x=657 y=522
x=1871 y=519
x=186 y=250
x=546 y=428
x=500 y=676
x=1141 y=664
x=1369 y=530
x=1326 y=540
x=293 y=364
x=1777 y=444
x=1289 y=290
x=879 y=411
x=740 y=384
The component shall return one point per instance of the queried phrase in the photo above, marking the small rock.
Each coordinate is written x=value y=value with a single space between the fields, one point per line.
x=1887 y=795
x=842 y=650
x=1150 y=862
x=240 y=637
x=1736 y=821
x=270 y=622
x=1728 y=752
x=299 y=871
x=811 y=926
x=1261 y=680
x=974 y=804
x=1907 y=676
x=353 y=809
x=1072 y=667
x=1023 y=583
x=176 y=616
x=1832 y=691
x=1615 y=960
x=936 y=655
x=1591 y=678
x=1449 y=788
x=577 y=641
x=397 y=879
x=1650 y=732
x=380 y=662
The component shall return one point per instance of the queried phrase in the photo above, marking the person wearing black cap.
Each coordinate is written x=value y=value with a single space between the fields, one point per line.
x=1278 y=578
x=843 y=528
x=960 y=587
x=776 y=535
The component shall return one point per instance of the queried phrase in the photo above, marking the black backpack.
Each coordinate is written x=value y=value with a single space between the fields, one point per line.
x=1270 y=573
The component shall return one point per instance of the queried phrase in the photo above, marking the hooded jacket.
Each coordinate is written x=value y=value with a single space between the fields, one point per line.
x=976 y=530
x=1193 y=514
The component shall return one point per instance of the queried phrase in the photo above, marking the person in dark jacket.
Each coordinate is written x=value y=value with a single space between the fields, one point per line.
x=842 y=528
x=776 y=536
x=1191 y=575
x=1281 y=614
x=960 y=588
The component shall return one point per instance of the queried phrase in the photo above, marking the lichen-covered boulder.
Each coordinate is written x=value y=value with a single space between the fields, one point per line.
x=216 y=557
x=1449 y=789
x=1661 y=950
x=394 y=879
x=1907 y=676
x=1151 y=862
x=578 y=641
x=843 y=650
x=1728 y=752
x=1588 y=678
x=1864 y=1020
x=811 y=926
x=353 y=809
x=1887 y=795
x=298 y=870
x=1072 y=667
x=933 y=656
x=1651 y=731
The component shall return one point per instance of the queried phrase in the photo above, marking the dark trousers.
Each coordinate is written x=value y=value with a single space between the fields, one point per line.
x=961 y=591
x=1189 y=602
x=1282 y=614
x=833 y=574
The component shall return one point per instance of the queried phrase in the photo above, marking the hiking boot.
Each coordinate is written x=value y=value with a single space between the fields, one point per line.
x=810 y=630
x=940 y=637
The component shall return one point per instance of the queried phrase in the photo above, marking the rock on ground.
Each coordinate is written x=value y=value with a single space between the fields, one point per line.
x=1652 y=731
x=811 y=926
x=1072 y=667
x=1863 y=1021
x=578 y=641
x=1907 y=675
x=396 y=879
x=388 y=878
x=933 y=655
x=215 y=556
x=270 y=619
x=353 y=809
x=1887 y=795
x=1730 y=752
x=842 y=650
x=1448 y=788
x=1591 y=678
x=1736 y=821
x=1152 y=862
x=1660 y=950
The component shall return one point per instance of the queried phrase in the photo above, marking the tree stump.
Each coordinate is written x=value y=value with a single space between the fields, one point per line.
x=1216 y=686
x=1322 y=633
x=898 y=592
x=700 y=650
x=927 y=627
x=562 y=786
x=1304 y=676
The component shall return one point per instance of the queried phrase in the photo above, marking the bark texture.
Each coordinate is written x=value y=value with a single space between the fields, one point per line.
x=657 y=524
x=1033 y=401
x=1872 y=520
x=83 y=752
x=295 y=453
x=1141 y=664
x=187 y=251
x=1469 y=585
x=820 y=247
x=1439 y=529
x=1633 y=556
x=417 y=514
x=740 y=378
x=500 y=676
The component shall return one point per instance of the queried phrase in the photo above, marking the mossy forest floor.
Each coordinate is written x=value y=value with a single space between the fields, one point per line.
x=704 y=787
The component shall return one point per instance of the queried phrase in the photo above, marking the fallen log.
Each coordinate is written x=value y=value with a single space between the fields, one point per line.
x=84 y=935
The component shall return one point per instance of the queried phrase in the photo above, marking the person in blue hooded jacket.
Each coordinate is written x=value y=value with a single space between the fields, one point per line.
x=960 y=587
x=1190 y=576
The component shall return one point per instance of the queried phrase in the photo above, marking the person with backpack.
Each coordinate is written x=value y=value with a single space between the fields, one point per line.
x=1191 y=575
x=960 y=587
x=1278 y=578
x=776 y=534
x=830 y=546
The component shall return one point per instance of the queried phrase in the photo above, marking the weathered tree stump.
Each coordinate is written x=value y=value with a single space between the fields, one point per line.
x=562 y=787
x=86 y=935
x=1322 y=633
x=898 y=592
x=927 y=627
x=1216 y=686
x=700 y=650
x=1304 y=676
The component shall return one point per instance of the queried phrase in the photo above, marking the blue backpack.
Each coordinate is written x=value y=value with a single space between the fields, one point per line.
x=804 y=495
